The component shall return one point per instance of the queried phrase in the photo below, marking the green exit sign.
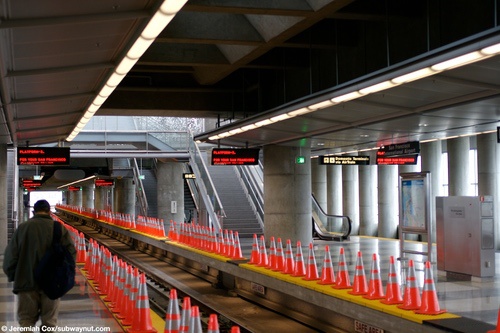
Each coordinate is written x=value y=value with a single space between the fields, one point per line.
x=300 y=160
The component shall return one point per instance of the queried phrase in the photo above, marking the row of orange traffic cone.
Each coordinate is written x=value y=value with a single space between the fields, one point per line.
x=124 y=288
x=78 y=239
x=425 y=303
x=188 y=320
x=226 y=243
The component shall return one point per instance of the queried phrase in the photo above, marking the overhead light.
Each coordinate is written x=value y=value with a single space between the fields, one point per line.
x=155 y=26
x=235 y=131
x=37 y=177
x=280 y=117
x=77 y=181
x=377 y=87
x=346 y=97
x=416 y=75
x=458 y=61
x=249 y=127
x=213 y=138
x=299 y=112
x=491 y=50
x=263 y=122
x=320 y=105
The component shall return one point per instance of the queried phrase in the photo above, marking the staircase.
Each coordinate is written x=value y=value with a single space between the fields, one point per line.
x=239 y=213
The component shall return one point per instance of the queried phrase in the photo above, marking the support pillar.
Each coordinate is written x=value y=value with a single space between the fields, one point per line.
x=88 y=196
x=318 y=177
x=350 y=189
x=102 y=198
x=368 y=220
x=170 y=192
x=488 y=174
x=75 y=198
x=124 y=196
x=388 y=204
x=431 y=153
x=3 y=199
x=287 y=196
x=334 y=189
x=458 y=166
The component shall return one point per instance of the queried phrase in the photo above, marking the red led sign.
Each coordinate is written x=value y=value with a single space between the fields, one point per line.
x=242 y=156
x=400 y=160
x=104 y=182
x=28 y=183
x=74 y=188
x=43 y=156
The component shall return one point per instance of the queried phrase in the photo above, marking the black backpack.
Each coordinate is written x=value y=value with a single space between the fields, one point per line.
x=55 y=273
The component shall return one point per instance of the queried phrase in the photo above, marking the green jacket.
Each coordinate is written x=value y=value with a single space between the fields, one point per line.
x=29 y=243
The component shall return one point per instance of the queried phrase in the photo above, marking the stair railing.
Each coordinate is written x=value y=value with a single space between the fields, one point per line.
x=252 y=183
x=139 y=189
x=207 y=191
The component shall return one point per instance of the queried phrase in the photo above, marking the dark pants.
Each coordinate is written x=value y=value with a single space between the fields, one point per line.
x=35 y=304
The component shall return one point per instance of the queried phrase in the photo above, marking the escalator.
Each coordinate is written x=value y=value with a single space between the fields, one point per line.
x=328 y=226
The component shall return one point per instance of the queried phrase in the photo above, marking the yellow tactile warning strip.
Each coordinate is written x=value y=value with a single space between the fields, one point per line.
x=156 y=321
x=343 y=294
x=203 y=252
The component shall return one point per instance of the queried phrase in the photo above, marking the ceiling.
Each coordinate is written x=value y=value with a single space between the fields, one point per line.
x=56 y=55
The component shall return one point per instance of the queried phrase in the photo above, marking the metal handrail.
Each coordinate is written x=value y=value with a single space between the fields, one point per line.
x=143 y=200
x=324 y=223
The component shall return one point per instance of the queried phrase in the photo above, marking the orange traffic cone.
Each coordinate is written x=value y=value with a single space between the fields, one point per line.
x=312 y=268
x=127 y=311
x=327 y=273
x=237 y=255
x=173 y=316
x=279 y=263
x=411 y=298
x=375 y=289
x=392 y=289
x=300 y=268
x=195 y=321
x=235 y=329
x=359 y=285
x=255 y=256
x=213 y=324
x=230 y=244
x=289 y=267
x=185 y=314
x=272 y=253
x=263 y=260
x=142 y=316
x=342 y=281
x=430 y=304
x=82 y=251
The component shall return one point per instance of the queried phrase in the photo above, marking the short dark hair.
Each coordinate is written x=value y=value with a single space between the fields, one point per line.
x=41 y=206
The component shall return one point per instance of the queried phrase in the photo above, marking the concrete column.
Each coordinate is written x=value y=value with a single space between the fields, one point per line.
x=318 y=179
x=431 y=153
x=350 y=188
x=388 y=202
x=101 y=198
x=124 y=196
x=334 y=189
x=488 y=177
x=170 y=192
x=458 y=166
x=88 y=196
x=368 y=196
x=3 y=199
x=75 y=198
x=287 y=194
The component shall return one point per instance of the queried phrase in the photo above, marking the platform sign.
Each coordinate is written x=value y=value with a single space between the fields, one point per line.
x=43 y=156
x=344 y=160
x=232 y=156
x=398 y=149
x=104 y=182
x=397 y=160
x=28 y=183
x=74 y=188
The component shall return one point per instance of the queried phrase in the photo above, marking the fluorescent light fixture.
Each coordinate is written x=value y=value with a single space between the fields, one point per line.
x=37 y=177
x=377 y=87
x=263 y=122
x=491 y=50
x=212 y=138
x=416 y=75
x=155 y=26
x=428 y=140
x=458 y=61
x=77 y=181
x=299 y=112
x=280 y=117
x=249 y=127
x=320 y=105
x=346 y=97
x=235 y=131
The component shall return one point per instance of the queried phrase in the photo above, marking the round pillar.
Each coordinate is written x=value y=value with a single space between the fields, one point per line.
x=368 y=220
x=431 y=153
x=350 y=189
x=88 y=196
x=388 y=206
x=458 y=166
x=124 y=196
x=318 y=178
x=170 y=192
x=287 y=196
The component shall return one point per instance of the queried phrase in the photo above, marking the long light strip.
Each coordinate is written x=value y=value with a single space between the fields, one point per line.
x=459 y=61
x=155 y=26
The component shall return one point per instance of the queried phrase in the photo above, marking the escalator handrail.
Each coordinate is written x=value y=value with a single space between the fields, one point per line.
x=349 y=221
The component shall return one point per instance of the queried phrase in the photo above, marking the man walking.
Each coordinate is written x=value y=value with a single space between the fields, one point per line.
x=29 y=243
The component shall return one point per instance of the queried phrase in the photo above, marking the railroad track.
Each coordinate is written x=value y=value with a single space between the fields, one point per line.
x=202 y=284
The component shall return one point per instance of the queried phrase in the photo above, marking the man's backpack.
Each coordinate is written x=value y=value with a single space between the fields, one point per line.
x=55 y=273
